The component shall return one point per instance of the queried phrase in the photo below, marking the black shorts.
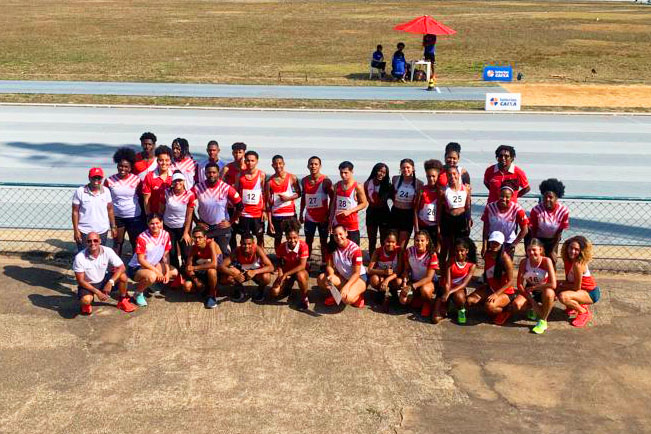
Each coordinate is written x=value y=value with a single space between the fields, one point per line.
x=251 y=225
x=81 y=292
x=454 y=226
x=402 y=220
x=311 y=227
x=380 y=216
x=280 y=225
x=430 y=57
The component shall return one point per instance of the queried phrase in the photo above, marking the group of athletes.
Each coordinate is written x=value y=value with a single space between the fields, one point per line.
x=183 y=217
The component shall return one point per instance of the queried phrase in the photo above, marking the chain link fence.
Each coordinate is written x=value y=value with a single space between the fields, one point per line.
x=36 y=218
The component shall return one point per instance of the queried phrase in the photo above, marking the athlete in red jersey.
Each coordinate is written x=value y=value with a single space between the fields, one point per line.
x=182 y=160
x=458 y=274
x=452 y=156
x=315 y=205
x=579 y=290
x=293 y=255
x=146 y=159
x=498 y=293
x=385 y=268
x=232 y=171
x=251 y=188
x=549 y=218
x=281 y=190
x=248 y=261
x=505 y=171
x=158 y=181
x=349 y=200
x=426 y=212
x=204 y=258
x=454 y=211
x=507 y=217
x=419 y=265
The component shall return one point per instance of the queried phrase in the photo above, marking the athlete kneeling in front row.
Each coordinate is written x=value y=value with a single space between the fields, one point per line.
x=248 y=261
x=151 y=260
x=201 y=269
x=536 y=284
x=384 y=270
x=576 y=293
x=497 y=293
x=344 y=269
x=458 y=274
x=419 y=265
x=91 y=267
x=293 y=255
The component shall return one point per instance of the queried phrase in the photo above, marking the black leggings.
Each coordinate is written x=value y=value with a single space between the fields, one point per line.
x=176 y=237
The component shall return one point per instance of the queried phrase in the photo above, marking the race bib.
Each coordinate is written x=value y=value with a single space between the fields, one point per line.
x=251 y=197
x=313 y=201
x=429 y=212
x=343 y=203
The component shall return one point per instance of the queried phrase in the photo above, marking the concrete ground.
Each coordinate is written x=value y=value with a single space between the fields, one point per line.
x=243 y=368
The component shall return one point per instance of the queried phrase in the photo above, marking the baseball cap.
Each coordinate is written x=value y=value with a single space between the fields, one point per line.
x=178 y=176
x=95 y=171
x=497 y=237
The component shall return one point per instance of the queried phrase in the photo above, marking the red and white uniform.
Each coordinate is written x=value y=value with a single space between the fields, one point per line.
x=493 y=283
x=247 y=262
x=201 y=169
x=419 y=263
x=204 y=256
x=405 y=193
x=443 y=177
x=176 y=207
x=251 y=191
x=233 y=174
x=213 y=201
x=427 y=207
x=344 y=259
x=124 y=193
x=346 y=200
x=545 y=223
x=505 y=221
x=494 y=178
x=386 y=261
x=279 y=207
x=316 y=200
x=142 y=167
x=292 y=257
x=155 y=186
x=587 y=280
x=455 y=199
x=534 y=274
x=153 y=247
x=188 y=167
x=372 y=193
x=458 y=271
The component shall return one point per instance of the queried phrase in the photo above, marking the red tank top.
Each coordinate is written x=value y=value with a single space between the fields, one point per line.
x=493 y=283
x=458 y=273
x=201 y=255
x=247 y=262
x=587 y=280
x=316 y=200
x=280 y=208
x=345 y=200
x=385 y=261
x=251 y=192
x=427 y=206
x=233 y=174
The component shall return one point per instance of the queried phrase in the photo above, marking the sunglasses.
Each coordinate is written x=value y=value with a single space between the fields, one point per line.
x=92 y=241
x=96 y=178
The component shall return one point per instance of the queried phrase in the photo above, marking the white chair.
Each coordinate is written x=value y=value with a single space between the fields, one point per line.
x=372 y=70
x=426 y=64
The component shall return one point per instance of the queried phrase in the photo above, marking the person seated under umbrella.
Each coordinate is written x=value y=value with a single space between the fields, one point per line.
x=400 y=67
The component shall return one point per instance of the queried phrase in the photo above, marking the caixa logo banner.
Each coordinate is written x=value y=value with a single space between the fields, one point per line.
x=503 y=101
x=498 y=73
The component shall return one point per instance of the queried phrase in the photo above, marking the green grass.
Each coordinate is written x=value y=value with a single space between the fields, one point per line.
x=331 y=41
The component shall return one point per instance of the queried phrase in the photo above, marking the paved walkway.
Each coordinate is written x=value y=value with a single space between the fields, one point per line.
x=380 y=93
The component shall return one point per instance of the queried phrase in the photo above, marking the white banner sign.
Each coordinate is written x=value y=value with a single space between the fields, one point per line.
x=503 y=101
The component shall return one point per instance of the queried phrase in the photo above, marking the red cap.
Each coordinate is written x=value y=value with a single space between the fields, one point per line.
x=95 y=171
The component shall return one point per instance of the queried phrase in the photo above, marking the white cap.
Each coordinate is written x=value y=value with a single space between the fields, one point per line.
x=497 y=237
x=178 y=176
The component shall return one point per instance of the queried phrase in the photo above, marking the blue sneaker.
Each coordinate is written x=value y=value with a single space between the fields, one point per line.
x=139 y=298
x=210 y=303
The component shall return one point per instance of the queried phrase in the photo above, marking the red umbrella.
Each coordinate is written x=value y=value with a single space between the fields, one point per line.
x=425 y=25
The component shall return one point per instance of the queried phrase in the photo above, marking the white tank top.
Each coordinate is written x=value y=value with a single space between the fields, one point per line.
x=456 y=199
x=405 y=194
x=534 y=275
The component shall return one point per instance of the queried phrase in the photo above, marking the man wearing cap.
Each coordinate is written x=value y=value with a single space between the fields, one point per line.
x=98 y=270
x=92 y=210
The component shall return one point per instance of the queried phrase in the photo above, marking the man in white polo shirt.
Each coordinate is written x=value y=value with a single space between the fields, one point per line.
x=92 y=210
x=97 y=270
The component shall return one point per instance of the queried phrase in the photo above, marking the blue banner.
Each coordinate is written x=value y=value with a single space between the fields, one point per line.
x=498 y=73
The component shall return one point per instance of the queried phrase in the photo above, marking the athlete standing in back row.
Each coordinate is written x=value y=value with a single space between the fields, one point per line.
x=281 y=190
x=349 y=200
x=231 y=175
x=251 y=188
x=315 y=201
x=405 y=187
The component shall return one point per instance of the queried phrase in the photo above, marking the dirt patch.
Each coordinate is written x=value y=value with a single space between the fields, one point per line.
x=564 y=95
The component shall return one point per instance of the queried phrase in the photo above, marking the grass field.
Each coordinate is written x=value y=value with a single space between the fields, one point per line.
x=331 y=41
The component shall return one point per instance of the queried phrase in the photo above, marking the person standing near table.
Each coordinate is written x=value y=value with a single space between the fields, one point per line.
x=92 y=210
x=156 y=182
x=98 y=270
x=429 y=47
x=146 y=159
x=505 y=171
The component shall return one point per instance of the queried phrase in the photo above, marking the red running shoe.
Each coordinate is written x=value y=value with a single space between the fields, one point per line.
x=86 y=309
x=426 y=311
x=177 y=282
x=582 y=319
x=359 y=303
x=330 y=301
x=501 y=317
x=125 y=305
x=571 y=312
